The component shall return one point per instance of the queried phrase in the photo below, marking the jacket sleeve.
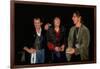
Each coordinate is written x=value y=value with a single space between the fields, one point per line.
x=50 y=39
x=70 y=43
x=84 y=45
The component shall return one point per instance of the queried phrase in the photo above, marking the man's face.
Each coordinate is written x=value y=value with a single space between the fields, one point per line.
x=75 y=18
x=37 y=23
x=57 y=22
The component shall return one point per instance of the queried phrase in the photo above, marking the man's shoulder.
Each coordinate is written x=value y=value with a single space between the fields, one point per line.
x=72 y=28
x=84 y=28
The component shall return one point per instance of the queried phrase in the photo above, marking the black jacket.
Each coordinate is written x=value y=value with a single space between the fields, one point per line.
x=43 y=40
x=51 y=36
x=30 y=44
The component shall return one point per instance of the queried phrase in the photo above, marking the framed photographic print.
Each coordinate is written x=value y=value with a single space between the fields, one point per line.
x=49 y=34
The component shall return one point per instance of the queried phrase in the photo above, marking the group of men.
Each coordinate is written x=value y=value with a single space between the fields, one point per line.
x=50 y=44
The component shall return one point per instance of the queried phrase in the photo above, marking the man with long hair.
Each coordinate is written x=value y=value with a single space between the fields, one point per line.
x=78 y=40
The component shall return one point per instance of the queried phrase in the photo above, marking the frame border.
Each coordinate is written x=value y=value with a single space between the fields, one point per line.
x=12 y=33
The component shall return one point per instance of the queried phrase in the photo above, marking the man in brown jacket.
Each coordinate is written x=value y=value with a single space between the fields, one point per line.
x=78 y=40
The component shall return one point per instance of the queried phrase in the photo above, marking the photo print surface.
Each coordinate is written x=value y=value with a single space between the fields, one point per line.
x=51 y=34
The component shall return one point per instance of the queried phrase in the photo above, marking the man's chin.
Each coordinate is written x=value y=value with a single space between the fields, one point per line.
x=74 y=23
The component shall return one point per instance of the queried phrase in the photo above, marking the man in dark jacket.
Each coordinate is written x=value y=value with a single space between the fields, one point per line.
x=37 y=49
x=56 y=41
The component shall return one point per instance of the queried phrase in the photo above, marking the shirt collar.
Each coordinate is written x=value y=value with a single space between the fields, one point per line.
x=39 y=33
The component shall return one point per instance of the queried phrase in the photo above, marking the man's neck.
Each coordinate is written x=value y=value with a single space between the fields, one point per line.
x=78 y=25
x=57 y=29
x=38 y=29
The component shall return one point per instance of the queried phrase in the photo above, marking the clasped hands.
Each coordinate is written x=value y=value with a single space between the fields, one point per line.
x=29 y=50
x=59 y=49
x=70 y=50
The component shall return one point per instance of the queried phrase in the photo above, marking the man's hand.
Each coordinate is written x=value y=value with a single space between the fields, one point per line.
x=31 y=50
x=70 y=50
x=46 y=27
x=62 y=47
x=57 y=49
x=26 y=49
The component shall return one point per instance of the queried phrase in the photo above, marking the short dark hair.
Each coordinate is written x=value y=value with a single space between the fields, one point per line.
x=58 y=17
x=77 y=13
x=37 y=18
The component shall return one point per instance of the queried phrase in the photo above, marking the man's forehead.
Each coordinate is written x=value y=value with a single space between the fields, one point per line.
x=36 y=20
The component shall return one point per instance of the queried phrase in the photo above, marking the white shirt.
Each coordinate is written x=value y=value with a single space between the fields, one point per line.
x=33 y=55
x=39 y=33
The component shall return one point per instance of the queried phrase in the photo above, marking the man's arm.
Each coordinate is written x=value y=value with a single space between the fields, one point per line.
x=70 y=50
x=84 y=46
x=31 y=50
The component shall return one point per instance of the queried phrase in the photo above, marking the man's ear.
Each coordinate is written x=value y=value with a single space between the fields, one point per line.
x=80 y=18
x=41 y=23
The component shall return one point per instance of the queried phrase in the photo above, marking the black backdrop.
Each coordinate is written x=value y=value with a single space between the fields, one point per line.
x=24 y=13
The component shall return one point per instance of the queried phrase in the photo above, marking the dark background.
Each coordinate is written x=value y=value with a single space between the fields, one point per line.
x=24 y=13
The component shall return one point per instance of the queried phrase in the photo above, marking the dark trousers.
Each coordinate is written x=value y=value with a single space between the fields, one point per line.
x=75 y=58
x=58 y=57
